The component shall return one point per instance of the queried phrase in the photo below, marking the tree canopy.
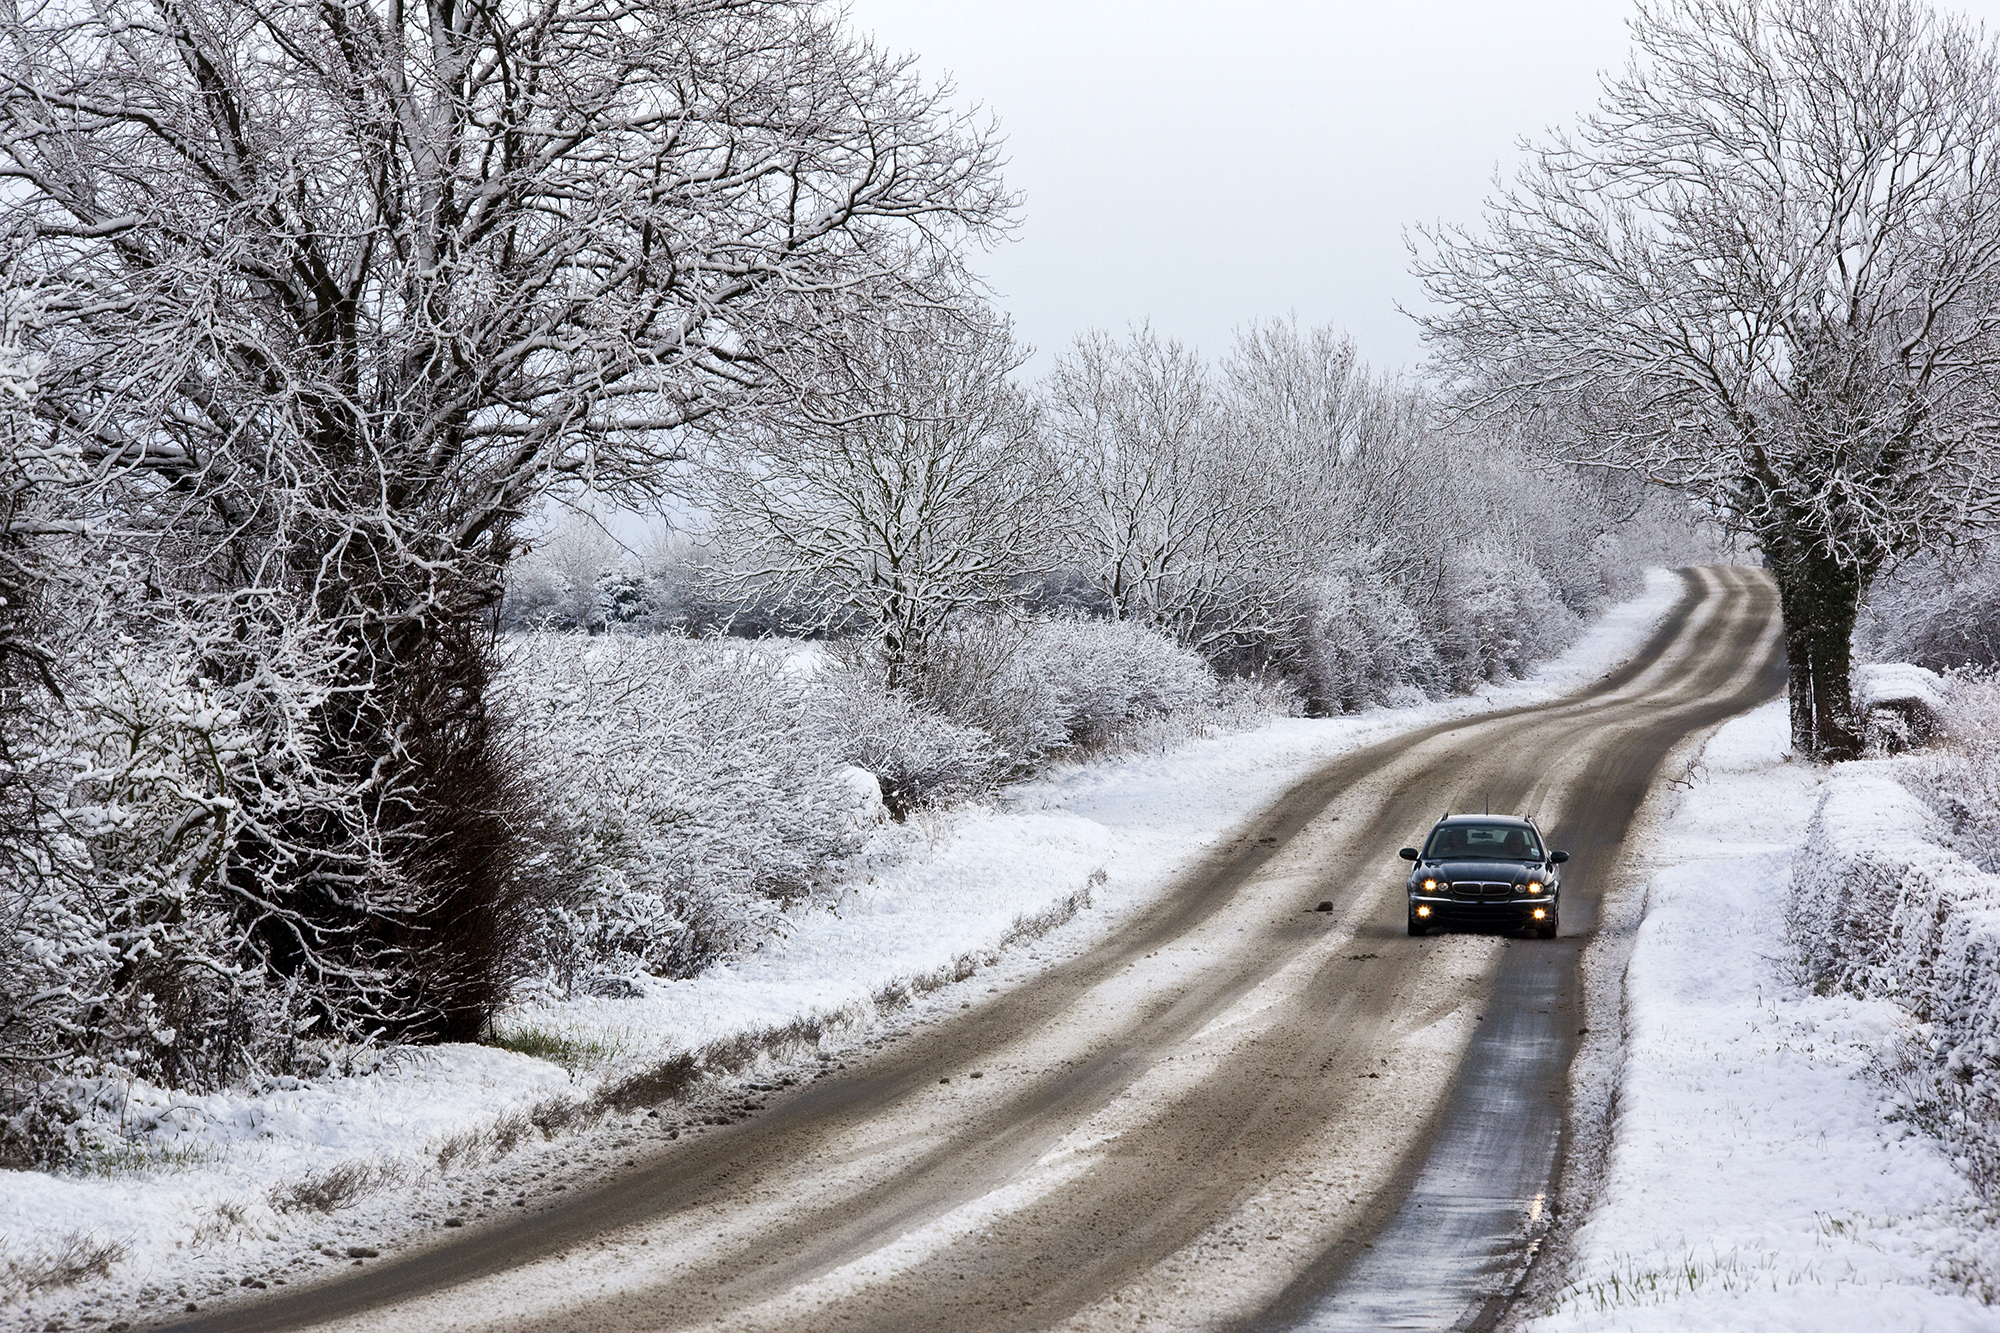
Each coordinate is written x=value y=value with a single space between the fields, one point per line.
x=1765 y=270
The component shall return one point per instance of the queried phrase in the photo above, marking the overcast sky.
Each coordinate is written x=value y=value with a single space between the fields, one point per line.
x=1202 y=165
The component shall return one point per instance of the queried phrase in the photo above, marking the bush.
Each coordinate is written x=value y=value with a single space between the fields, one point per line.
x=140 y=895
x=1363 y=643
x=1044 y=688
x=1961 y=782
x=1500 y=616
x=1895 y=896
x=688 y=793
x=1935 y=612
x=918 y=758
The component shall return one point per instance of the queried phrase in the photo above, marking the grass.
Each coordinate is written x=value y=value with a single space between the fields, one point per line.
x=571 y=1049
x=1631 y=1285
x=130 y=1157
x=336 y=1187
x=74 y=1258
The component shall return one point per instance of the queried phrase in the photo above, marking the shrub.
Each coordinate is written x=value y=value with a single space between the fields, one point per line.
x=687 y=793
x=1894 y=896
x=1363 y=642
x=338 y=1186
x=72 y=1259
x=1936 y=612
x=1961 y=782
x=1042 y=688
x=1500 y=616
x=918 y=757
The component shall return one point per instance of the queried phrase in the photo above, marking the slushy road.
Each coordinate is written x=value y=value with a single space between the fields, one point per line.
x=1238 y=1114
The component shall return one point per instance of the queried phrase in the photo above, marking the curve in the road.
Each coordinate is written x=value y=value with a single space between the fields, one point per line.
x=1215 y=1119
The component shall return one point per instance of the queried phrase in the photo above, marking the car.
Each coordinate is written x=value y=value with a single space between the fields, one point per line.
x=1488 y=870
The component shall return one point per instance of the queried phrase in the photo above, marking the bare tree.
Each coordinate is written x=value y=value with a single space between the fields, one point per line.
x=356 y=282
x=894 y=484
x=1764 y=270
x=1352 y=454
x=1176 y=520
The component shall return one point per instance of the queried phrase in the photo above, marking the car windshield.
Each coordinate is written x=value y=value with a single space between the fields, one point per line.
x=1483 y=842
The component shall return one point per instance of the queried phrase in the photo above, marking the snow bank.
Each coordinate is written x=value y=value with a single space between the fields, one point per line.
x=1757 y=1177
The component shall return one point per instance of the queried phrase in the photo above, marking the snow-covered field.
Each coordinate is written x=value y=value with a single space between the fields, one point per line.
x=1753 y=1180
x=209 y=1195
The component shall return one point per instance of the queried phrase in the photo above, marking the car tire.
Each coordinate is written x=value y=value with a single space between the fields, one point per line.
x=1547 y=932
x=1418 y=927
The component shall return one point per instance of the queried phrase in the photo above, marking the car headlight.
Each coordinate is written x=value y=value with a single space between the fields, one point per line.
x=1432 y=886
x=1534 y=887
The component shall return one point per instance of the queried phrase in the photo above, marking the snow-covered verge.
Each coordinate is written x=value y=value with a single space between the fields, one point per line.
x=242 y=1186
x=1761 y=1171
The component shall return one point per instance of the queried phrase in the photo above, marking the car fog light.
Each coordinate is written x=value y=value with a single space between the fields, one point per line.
x=1425 y=911
x=1539 y=914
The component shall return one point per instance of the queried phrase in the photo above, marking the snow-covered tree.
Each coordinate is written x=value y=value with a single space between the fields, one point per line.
x=1174 y=521
x=354 y=283
x=1765 y=270
x=894 y=483
x=1352 y=452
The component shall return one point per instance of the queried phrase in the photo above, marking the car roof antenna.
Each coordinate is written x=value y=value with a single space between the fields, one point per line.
x=1489 y=802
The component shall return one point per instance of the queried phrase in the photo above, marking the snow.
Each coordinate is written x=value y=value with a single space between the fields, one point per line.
x=1753 y=1179
x=1884 y=682
x=934 y=893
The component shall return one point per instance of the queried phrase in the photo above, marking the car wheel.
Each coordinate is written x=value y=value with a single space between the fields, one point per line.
x=1419 y=927
x=1547 y=932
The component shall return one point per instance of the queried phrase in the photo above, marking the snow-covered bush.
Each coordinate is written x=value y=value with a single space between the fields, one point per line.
x=1067 y=686
x=1935 y=612
x=1110 y=675
x=1363 y=642
x=148 y=933
x=1895 y=895
x=687 y=792
x=1500 y=617
x=1960 y=782
x=992 y=699
x=917 y=757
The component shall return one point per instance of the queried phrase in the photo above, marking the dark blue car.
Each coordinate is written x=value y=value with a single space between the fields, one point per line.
x=1485 y=870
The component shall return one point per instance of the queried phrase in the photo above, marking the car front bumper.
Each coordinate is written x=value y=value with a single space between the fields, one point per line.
x=1515 y=912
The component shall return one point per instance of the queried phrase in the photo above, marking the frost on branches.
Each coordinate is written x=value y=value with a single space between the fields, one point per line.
x=1761 y=272
x=685 y=793
x=306 y=304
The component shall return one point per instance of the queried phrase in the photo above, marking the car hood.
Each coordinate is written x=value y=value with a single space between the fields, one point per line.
x=1498 y=871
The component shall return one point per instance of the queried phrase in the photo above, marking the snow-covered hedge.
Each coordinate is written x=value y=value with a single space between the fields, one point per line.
x=1501 y=616
x=1885 y=903
x=687 y=792
x=1366 y=638
x=161 y=799
x=1064 y=686
x=917 y=757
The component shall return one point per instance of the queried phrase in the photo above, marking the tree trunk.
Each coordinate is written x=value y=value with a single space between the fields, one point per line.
x=422 y=950
x=1820 y=597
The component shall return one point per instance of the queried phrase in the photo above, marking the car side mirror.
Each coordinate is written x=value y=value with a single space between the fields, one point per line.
x=1557 y=858
x=1408 y=853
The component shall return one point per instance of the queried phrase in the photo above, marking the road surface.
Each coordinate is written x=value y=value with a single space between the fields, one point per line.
x=1241 y=1113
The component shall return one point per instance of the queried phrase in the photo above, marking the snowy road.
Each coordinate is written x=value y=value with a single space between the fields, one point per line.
x=1242 y=1114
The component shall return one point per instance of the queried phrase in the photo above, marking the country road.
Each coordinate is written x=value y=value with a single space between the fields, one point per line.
x=1241 y=1114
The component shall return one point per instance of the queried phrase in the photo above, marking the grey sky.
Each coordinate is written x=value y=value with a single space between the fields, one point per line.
x=1204 y=165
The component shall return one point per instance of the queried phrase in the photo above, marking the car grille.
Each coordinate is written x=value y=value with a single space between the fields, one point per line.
x=1475 y=888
